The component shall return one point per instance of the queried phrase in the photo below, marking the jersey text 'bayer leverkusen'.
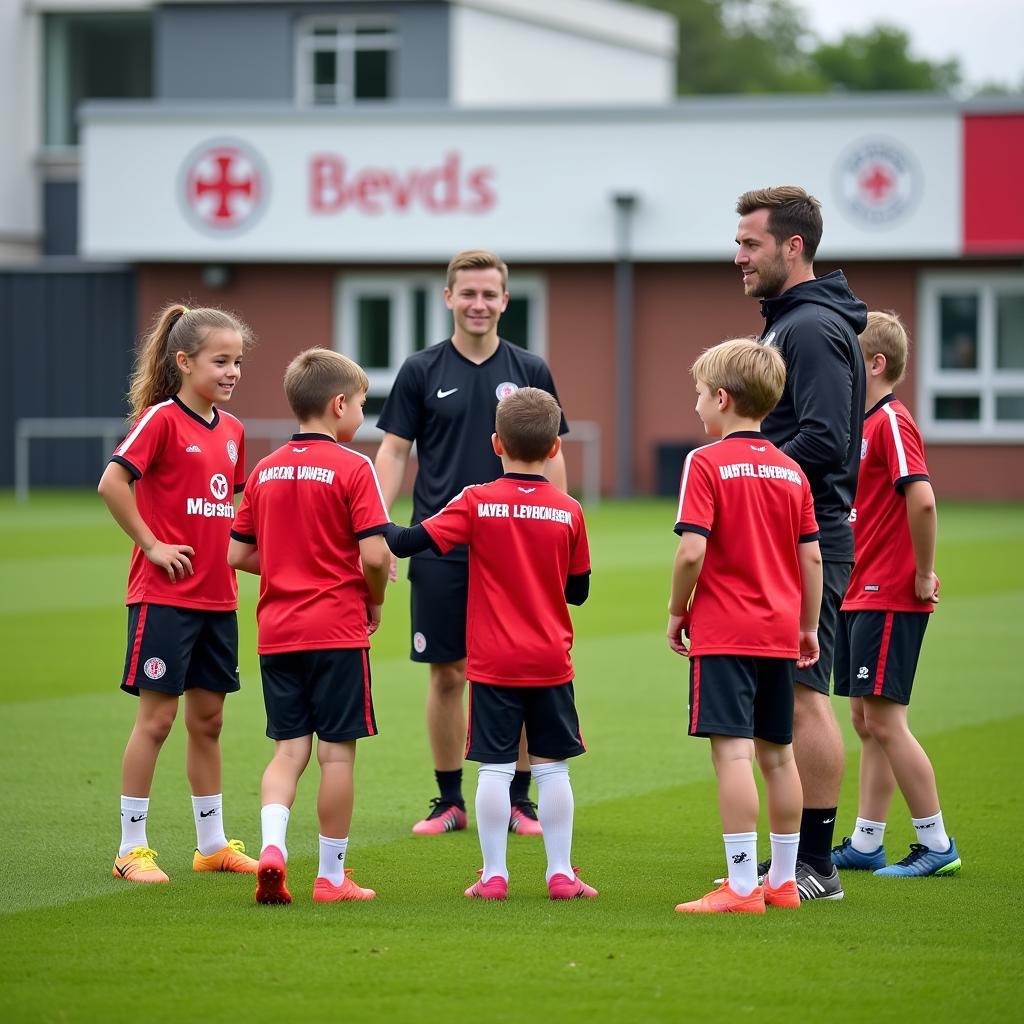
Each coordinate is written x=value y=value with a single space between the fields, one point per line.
x=892 y=455
x=306 y=507
x=754 y=506
x=525 y=537
x=186 y=472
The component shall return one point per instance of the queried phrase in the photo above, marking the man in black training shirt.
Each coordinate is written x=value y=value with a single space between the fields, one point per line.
x=444 y=399
x=814 y=322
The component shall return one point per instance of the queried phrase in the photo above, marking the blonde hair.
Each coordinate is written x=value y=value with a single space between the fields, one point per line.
x=753 y=374
x=477 y=259
x=885 y=335
x=316 y=376
x=791 y=211
x=176 y=328
x=527 y=423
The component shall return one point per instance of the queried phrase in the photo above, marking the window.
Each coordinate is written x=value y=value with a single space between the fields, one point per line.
x=344 y=59
x=90 y=57
x=971 y=357
x=383 y=318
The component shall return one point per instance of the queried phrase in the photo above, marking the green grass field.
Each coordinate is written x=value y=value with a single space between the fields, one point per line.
x=77 y=945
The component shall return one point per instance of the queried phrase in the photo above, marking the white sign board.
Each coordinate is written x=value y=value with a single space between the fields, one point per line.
x=167 y=185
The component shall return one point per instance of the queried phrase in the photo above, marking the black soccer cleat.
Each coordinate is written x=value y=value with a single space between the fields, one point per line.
x=814 y=886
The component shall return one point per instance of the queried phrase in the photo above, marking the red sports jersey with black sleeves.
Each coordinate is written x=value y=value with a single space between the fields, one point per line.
x=306 y=506
x=754 y=506
x=525 y=539
x=891 y=456
x=186 y=471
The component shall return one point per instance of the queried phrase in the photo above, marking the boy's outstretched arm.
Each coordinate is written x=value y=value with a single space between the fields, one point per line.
x=923 y=526
x=686 y=569
x=810 y=602
x=244 y=556
x=409 y=540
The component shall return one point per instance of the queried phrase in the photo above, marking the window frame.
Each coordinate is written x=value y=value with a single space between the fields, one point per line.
x=987 y=381
x=399 y=286
x=385 y=37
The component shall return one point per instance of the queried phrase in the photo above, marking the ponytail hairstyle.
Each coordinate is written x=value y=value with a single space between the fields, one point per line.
x=177 y=328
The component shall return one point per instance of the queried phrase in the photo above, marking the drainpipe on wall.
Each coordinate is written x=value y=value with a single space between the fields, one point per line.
x=625 y=204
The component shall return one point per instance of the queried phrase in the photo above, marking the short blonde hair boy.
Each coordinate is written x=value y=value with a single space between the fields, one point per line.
x=751 y=373
x=885 y=335
x=317 y=375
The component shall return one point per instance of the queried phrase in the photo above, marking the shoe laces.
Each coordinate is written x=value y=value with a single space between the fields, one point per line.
x=917 y=851
x=439 y=806
x=847 y=841
x=237 y=845
x=527 y=808
x=146 y=857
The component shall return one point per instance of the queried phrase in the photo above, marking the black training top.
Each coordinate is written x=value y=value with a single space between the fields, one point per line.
x=446 y=404
x=818 y=421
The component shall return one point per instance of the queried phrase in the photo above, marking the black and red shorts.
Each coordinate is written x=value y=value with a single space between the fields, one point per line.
x=741 y=695
x=172 y=650
x=877 y=653
x=498 y=715
x=324 y=692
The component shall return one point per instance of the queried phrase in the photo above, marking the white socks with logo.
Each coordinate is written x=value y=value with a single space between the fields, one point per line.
x=493 y=808
x=784 y=849
x=332 y=859
x=932 y=833
x=208 y=812
x=741 y=857
x=867 y=835
x=134 y=812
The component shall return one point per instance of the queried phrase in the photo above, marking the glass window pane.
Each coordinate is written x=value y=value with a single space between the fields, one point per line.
x=373 y=74
x=419 y=320
x=374 y=318
x=374 y=405
x=1010 y=332
x=958 y=331
x=515 y=322
x=958 y=407
x=1010 y=408
x=325 y=30
x=325 y=68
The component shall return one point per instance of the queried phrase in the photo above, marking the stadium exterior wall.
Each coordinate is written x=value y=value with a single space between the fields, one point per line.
x=680 y=309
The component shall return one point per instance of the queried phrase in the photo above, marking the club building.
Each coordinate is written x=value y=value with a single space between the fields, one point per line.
x=314 y=166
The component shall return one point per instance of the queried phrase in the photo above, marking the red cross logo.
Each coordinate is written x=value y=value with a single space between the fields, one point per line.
x=223 y=186
x=876 y=182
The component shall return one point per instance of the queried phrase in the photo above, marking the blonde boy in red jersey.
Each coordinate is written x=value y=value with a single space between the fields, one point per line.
x=892 y=593
x=748 y=556
x=311 y=524
x=528 y=560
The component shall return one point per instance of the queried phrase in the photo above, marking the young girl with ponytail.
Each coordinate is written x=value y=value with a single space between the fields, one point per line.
x=169 y=486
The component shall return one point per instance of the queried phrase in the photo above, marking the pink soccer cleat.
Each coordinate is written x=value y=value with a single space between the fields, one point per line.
x=325 y=891
x=442 y=818
x=270 y=877
x=562 y=887
x=523 y=820
x=495 y=888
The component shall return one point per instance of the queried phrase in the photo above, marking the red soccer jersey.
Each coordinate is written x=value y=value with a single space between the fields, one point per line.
x=525 y=539
x=306 y=506
x=186 y=471
x=891 y=455
x=754 y=506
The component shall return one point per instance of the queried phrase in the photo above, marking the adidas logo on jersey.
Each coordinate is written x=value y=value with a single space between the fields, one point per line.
x=194 y=448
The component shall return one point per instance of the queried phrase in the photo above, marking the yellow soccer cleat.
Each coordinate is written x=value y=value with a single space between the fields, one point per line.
x=139 y=865
x=231 y=858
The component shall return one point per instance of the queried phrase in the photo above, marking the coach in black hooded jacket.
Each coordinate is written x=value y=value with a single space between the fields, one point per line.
x=818 y=421
x=814 y=322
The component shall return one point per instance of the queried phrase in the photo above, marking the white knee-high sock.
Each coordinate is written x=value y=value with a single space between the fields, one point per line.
x=274 y=819
x=134 y=811
x=493 y=808
x=208 y=812
x=555 y=811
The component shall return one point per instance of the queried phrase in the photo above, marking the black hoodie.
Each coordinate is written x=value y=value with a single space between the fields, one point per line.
x=818 y=420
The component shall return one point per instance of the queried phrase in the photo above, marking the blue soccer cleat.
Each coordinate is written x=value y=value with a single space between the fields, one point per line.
x=921 y=862
x=849 y=859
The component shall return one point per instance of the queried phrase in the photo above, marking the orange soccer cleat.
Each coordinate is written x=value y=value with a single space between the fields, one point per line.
x=325 y=891
x=724 y=901
x=786 y=895
x=139 y=865
x=231 y=858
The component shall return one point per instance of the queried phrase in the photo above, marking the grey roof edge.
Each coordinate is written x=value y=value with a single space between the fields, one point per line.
x=681 y=110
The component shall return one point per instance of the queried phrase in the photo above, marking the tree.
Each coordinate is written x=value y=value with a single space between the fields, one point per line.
x=757 y=46
x=880 y=59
